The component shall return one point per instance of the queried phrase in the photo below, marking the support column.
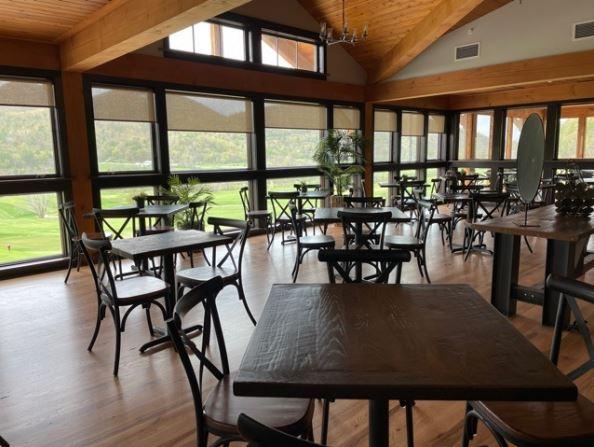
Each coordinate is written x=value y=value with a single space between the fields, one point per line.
x=368 y=150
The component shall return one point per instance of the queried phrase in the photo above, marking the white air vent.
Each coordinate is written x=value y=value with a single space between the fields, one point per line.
x=469 y=51
x=583 y=30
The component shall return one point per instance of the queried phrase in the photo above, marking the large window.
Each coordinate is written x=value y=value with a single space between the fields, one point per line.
x=514 y=121
x=27 y=144
x=411 y=137
x=293 y=132
x=211 y=39
x=289 y=53
x=384 y=128
x=436 y=137
x=208 y=132
x=347 y=122
x=475 y=135
x=576 y=132
x=124 y=129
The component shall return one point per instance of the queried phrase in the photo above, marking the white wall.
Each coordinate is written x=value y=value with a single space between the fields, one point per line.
x=519 y=30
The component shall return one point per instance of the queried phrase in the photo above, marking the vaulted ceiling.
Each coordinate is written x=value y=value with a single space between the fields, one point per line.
x=390 y=21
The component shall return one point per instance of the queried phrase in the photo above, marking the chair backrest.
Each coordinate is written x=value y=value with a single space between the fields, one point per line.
x=260 y=435
x=308 y=186
x=364 y=202
x=343 y=261
x=100 y=266
x=204 y=294
x=68 y=219
x=162 y=199
x=487 y=203
x=222 y=223
x=244 y=195
x=571 y=289
x=426 y=210
x=197 y=212
x=353 y=222
x=127 y=213
x=281 y=203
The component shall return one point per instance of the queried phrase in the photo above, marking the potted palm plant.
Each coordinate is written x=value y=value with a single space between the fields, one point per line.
x=337 y=156
x=189 y=191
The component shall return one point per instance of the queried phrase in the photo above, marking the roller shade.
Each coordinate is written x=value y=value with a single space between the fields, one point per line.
x=208 y=113
x=293 y=115
x=436 y=124
x=347 y=118
x=123 y=104
x=385 y=121
x=30 y=93
x=412 y=124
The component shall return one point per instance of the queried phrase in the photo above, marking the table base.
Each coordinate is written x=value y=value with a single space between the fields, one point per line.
x=164 y=337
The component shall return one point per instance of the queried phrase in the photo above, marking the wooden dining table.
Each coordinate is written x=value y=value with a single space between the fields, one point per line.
x=380 y=342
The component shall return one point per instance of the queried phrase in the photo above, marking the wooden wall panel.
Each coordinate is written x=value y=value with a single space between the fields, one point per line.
x=25 y=54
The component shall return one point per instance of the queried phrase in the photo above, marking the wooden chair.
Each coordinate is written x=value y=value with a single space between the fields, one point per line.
x=485 y=205
x=112 y=295
x=74 y=242
x=218 y=414
x=363 y=229
x=384 y=261
x=364 y=202
x=256 y=215
x=231 y=276
x=416 y=244
x=260 y=435
x=305 y=244
x=281 y=210
x=551 y=424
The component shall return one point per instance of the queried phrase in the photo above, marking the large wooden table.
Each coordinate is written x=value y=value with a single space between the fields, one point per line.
x=567 y=238
x=383 y=342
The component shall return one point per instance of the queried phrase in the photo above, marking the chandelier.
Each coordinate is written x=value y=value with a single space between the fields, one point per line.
x=346 y=36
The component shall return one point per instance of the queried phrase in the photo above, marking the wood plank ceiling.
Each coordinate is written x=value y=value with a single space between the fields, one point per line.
x=44 y=20
x=388 y=21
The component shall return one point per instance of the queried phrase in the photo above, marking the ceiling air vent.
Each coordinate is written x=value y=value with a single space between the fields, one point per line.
x=583 y=30
x=468 y=51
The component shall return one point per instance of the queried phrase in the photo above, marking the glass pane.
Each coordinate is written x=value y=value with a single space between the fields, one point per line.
x=29 y=227
x=26 y=141
x=182 y=40
x=291 y=147
x=233 y=43
x=194 y=151
x=431 y=174
x=589 y=149
x=382 y=143
x=124 y=146
x=206 y=36
x=482 y=138
x=227 y=202
x=568 y=137
x=287 y=53
x=463 y=141
x=409 y=173
x=288 y=184
x=269 y=54
x=514 y=122
x=113 y=197
x=306 y=56
x=409 y=149
x=434 y=144
x=378 y=191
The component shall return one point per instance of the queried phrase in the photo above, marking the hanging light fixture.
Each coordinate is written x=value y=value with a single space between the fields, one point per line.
x=346 y=36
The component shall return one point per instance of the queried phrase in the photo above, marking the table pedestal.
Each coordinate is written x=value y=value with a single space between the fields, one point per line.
x=379 y=423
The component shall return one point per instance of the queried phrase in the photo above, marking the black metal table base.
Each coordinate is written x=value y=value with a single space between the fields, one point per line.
x=163 y=337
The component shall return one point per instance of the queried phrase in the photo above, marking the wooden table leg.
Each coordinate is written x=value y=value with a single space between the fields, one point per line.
x=506 y=264
x=379 y=423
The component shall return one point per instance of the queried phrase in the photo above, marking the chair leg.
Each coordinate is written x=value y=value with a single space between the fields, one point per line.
x=78 y=256
x=100 y=316
x=70 y=262
x=419 y=264
x=295 y=271
x=115 y=313
x=325 y=421
x=191 y=256
x=147 y=310
x=205 y=257
x=424 y=261
x=528 y=245
x=273 y=234
x=239 y=286
x=410 y=434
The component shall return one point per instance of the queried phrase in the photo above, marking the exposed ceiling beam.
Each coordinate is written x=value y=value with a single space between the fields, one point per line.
x=128 y=25
x=484 y=8
x=511 y=74
x=444 y=16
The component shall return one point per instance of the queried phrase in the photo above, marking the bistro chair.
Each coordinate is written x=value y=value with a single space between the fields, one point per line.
x=217 y=415
x=362 y=229
x=416 y=244
x=484 y=205
x=384 y=261
x=74 y=243
x=551 y=424
x=305 y=244
x=126 y=215
x=443 y=221
x=281 y=210
x=197 y=211
x=256 y=215
x=308 y=205
x=231 y=275
x=364 y=202
x=112 y=295
x=260 y=435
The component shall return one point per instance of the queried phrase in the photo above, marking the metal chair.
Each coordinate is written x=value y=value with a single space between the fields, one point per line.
x=281 y=210
x=484 y=205
x=364 y=229
x=218 y=414
x=443 y=221
x=254 y=215
x=74 y=242
x=157 y=226
x=552 y=424
x=112 y=295
x=231 y=276
x=306 y=244
x=260 y=435
x=127 y=215
x=197 y=213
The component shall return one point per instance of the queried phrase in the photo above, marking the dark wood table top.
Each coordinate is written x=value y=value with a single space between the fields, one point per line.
x=451 y=197
x=167 y=243
x=379 y=341
x=330 y=215
x=162 y=210
x=551 y=225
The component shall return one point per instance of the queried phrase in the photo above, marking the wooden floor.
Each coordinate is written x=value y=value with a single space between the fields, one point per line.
x=55 y=393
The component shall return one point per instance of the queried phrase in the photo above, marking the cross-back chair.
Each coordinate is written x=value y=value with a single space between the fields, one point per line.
x=484 y=205
x=552 y=424
x=281 y=210
x=363 y=229
x=231 y=275
x=74 y=242
x=158 y=225
x=112 y=295
x=252 y=215
x=443 y=221
x=217 y=415
x=126 y=215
